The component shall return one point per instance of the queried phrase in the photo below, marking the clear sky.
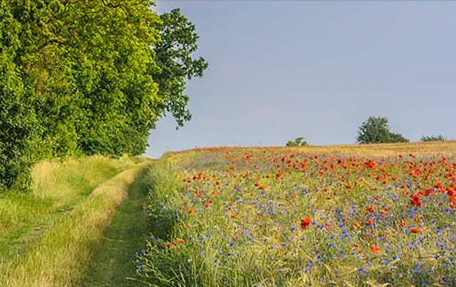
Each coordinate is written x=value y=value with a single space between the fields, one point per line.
x=318 y=69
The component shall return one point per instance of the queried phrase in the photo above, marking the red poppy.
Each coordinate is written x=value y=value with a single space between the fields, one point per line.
x=415 y=229
x=374 y=248
x=305 y=223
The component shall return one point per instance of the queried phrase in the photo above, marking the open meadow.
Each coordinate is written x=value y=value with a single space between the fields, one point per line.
x=357 y=215
x=101 y=102
x=353 y=215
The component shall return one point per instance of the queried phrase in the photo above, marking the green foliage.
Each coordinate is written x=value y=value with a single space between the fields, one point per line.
x=17 y=120
x=432 y=138
x=173 y=57
x=299 y=141
x=120 y=96
x=397 y=138
x=376 y=130
x=90 y=77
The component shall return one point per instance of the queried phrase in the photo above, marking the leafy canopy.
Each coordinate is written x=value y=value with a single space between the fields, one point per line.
x=376 y=130
x=88 y=77
x=299 y=141
x=173 y=57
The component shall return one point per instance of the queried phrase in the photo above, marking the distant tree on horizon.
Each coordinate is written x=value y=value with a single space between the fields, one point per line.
x=376 y=130
x=299 y=141
x=432 y=138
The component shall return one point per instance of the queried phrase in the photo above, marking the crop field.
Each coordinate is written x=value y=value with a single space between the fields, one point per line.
x=374 y=215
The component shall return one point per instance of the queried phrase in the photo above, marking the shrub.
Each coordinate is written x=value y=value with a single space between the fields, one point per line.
x=17 y=122
x=299 y=141
x=432 y=138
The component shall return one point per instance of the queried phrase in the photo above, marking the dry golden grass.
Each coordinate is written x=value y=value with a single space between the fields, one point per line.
x=60 y=257
x=445 y=148
x=56 y=184
x=58 y=179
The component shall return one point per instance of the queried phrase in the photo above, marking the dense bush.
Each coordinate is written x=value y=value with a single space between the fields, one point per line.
x=299 y=141
x=17 y=119
x=17 y=129
x=432 y=138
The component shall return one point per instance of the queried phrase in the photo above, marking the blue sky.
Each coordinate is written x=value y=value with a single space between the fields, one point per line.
x=318 y=69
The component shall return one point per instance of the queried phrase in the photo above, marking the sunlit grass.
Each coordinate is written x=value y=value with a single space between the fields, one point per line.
x=112 y=264
x=312 y=216
x=48 y=235
x=56 y=184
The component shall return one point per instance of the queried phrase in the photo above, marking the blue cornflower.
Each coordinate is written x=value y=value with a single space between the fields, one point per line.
x=416 y=271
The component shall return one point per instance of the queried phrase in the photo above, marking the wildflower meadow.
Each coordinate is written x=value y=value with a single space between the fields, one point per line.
x=302 y=217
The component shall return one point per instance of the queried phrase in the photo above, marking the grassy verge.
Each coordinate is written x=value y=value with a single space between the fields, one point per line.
x=58 y=187
x=113 y=264
x=62 y=252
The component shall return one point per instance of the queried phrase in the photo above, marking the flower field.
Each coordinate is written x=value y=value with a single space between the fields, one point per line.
x=357 y=216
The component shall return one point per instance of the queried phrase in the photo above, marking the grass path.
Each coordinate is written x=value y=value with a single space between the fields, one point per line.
x=18 y=240
x=59 y=258
x=113 y=263
x=58 y=188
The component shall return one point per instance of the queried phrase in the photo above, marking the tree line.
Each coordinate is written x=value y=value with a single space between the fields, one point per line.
x=374 y=130
x=88 y=77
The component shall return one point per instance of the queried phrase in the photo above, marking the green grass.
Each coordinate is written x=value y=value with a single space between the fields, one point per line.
x=48 y=236
x=113 y=264
x=57 y=187
x=311 y=216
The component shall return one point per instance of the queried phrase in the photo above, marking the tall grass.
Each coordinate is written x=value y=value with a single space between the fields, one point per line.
x=60 y=256
x=56 y=185
x=58 y=180
x=60 y=218
x=346 y=217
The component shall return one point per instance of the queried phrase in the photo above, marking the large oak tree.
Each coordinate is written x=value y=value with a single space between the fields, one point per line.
x=91 y=77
